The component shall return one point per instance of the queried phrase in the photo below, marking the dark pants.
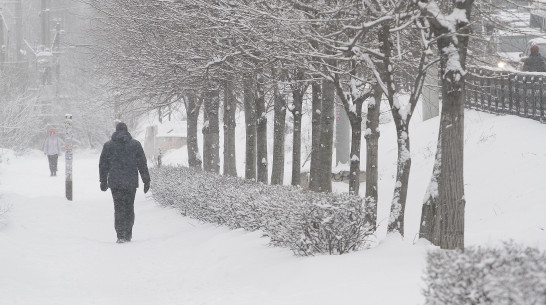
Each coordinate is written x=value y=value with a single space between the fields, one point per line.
x=124 y=212
x=52 y=163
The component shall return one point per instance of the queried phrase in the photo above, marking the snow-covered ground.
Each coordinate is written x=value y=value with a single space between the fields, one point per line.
x=53 y=251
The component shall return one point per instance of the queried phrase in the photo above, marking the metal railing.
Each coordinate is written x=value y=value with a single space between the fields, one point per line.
x=503 y=92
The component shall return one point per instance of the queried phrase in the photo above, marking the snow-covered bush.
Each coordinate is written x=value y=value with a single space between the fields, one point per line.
x=509 y=275
x=306 y=222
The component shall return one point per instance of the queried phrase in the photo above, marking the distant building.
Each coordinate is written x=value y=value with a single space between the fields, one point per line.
x=163 y=137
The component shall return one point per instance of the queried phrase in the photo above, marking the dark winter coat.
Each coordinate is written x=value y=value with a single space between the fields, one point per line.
x=534 y=63
x=121 y=160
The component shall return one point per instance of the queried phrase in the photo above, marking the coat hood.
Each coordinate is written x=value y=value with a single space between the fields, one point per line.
x=121 y=136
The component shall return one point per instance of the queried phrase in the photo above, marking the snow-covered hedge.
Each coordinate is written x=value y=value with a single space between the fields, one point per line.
x=509 y=275
x=306 y=222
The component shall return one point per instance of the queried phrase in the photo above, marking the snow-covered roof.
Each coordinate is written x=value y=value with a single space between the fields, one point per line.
x=511 y=56
x=520 y=31
x=511 y=15
x=538 y=41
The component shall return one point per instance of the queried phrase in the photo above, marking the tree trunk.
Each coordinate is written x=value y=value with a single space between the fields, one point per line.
x=159 y=114
x=230 y=105
x=430 y=218
x=277 y=174
x=316 y=100
x=206 y=137
x=192 y=114
x=452 y=45
x=398 y=206
x=261 y=130
x=326 y=136
x=250 y=122
x=212 y=130
x=356 y=136
x=296 y=140
x=353 y=109
x=451 y=179
x=372 y=151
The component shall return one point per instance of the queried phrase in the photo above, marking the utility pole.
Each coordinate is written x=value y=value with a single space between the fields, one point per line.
x=45 y=24
x=68 y=155
x=57 y=54
x=19 y=30
x=343 y=135
x=431 y=94
x=2 y=43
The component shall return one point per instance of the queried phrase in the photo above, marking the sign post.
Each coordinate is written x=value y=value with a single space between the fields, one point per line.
x=68 y=154
x=431 y=94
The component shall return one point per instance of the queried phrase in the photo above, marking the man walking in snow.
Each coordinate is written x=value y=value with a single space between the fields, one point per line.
x=535 y=62
x=121 y=160
x=52 y=149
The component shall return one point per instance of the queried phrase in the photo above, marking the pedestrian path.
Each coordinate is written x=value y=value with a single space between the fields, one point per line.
x=54 y=251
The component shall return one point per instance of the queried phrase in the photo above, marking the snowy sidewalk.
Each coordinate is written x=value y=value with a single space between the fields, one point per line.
x=53 y=251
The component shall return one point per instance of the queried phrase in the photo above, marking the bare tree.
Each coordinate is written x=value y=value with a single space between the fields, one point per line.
x=230 y=106
x=211 y=130
x=299 y=87
x=193 y=105
x=277 y=173
x=261 y=128
x=250 y=125
x=452 y=33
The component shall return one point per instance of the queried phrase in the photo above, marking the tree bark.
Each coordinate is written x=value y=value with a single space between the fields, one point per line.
x=159 y=114
x=212 y=130
x=326 y=136
x=398 y=206
x=356 y=138
x=430 y=213
x=206 y=138
x=316 y=100
x=250 y=122
x=277 y=173
x=353 y=109
x=230 y=105
x=261 y=129
x=296 y=139
x=452 y=42
x=451 y=179
x=372 y=152
x=192 y=115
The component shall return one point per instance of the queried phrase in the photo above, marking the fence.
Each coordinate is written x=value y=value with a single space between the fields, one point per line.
x=502 y=92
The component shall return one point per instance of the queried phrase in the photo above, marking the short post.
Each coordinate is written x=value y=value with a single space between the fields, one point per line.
x=482 y=90
x=535 y=88
x=518 y=92
x=490 y=90
x=511 y=93
x=68 y=154
x=526 y=97
x=541 y=99
x=475 y=87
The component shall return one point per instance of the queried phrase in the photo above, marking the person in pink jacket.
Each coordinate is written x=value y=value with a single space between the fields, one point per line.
x=52 y=149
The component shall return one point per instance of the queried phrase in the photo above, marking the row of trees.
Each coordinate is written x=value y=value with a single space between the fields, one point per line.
x=205 y=53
